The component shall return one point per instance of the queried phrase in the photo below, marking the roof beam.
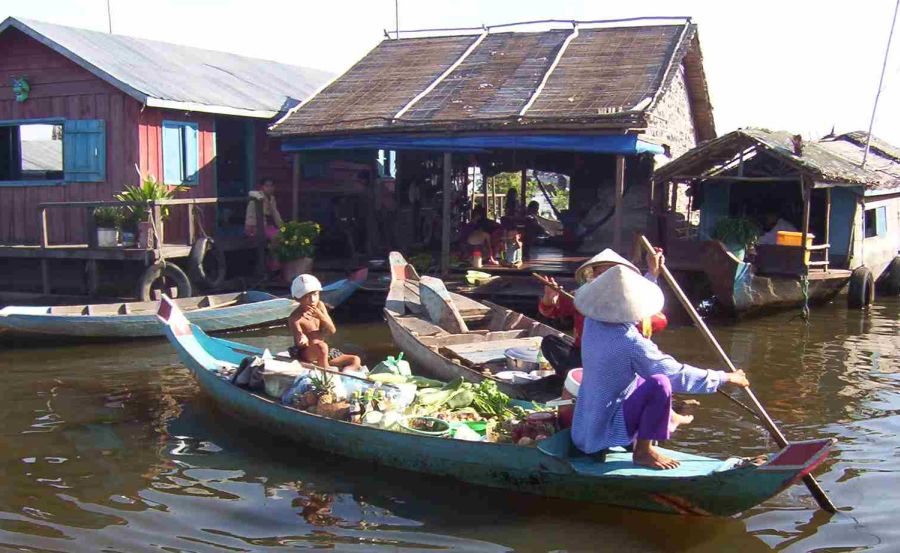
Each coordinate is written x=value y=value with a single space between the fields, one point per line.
x=442 y=76
x=559 y=55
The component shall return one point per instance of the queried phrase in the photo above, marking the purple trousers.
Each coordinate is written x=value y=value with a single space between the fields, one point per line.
x=648 y=408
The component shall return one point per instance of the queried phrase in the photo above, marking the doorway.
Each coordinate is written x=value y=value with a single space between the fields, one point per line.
x=235 y=170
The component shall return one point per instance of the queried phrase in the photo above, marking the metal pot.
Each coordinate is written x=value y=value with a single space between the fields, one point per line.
x=522 y=359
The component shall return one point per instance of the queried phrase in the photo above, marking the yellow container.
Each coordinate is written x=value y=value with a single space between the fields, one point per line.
x=791 y=238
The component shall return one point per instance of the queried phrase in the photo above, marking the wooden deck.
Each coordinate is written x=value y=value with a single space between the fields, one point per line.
x=86 y=252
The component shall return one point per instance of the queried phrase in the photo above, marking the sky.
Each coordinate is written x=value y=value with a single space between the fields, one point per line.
x=799 y=65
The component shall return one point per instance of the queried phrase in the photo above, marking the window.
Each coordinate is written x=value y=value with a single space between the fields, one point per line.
x=31 y=152
x=48 y=151
x=180 y=153
x=876 y=222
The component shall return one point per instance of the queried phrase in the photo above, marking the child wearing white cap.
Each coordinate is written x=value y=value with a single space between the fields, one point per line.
x=310 y=323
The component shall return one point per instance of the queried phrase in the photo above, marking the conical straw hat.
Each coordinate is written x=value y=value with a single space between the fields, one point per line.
x=619 y=295
x=607 y=257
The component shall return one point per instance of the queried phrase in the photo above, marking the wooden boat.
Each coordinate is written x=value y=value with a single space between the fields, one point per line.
x=446 y=335
x=214 y=313
x=700 y=486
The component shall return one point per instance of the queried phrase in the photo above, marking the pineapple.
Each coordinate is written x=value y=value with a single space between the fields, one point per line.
x=323 y=383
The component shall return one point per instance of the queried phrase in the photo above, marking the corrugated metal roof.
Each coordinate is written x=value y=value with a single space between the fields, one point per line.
x=180 y=77
x=833 y=160
x=604 y=78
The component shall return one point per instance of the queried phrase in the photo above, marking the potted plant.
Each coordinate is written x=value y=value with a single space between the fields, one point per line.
x=737 y=234
x=137 y=218
x=107 y=219
x=295 y=247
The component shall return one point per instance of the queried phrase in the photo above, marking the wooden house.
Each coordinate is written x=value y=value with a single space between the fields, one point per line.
x=594 y=101
x=80 y=109
x=843 y=204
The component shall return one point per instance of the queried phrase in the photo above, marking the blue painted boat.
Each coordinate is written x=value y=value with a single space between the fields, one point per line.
x=701 y=485
x=214 y=313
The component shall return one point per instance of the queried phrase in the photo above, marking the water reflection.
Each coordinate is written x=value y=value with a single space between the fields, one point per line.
x=112 y=447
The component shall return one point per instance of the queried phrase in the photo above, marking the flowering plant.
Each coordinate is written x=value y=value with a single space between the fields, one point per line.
x=296 y=239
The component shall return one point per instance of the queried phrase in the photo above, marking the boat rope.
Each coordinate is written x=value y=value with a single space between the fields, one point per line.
x=804 y=289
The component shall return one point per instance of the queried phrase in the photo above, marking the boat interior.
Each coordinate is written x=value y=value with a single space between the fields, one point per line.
x=477 y=334
x=194 y=303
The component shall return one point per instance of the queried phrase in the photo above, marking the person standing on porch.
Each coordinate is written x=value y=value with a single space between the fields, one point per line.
x=564 y=355
x=272 y=218
x=626 y=390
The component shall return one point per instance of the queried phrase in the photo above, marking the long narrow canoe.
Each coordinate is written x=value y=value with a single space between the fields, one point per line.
x=700 y=486
x=214 y=313
x=446 y=335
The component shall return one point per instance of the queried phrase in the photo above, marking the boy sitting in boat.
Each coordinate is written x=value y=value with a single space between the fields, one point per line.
x=310 y=323
x=564 y=355
x=627 y=384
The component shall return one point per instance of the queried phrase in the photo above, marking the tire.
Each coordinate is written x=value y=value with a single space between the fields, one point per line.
x=168 y=271
x=861 y=291
x=202 y=251
x=890 y=283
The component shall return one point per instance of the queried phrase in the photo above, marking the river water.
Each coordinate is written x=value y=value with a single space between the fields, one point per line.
x=112 y=448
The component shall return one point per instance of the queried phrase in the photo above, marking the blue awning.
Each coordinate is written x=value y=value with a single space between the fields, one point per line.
x=628 y=144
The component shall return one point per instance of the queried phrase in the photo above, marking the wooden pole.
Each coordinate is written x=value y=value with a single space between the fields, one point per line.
x=523 y=185
x=445 y=215
x=811 y=483
x=827 y=240
x=620 y=192
x=295 y=188
x=807 y=199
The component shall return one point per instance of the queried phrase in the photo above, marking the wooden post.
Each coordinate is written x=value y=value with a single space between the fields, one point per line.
x=807 y=198
x=192 y=234
x=827 y=241
x=45 y=236
x=157 y=226
x=261 y=241
x=620 y=192
x=445 y=215
x=524 y=184
x=45 y=275
x=90 y=228
x=92 y=274
x=295 y=188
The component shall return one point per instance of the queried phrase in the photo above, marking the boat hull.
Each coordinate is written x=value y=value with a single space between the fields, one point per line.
x=701 y=485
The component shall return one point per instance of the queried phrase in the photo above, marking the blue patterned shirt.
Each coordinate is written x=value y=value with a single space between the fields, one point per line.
x=613 y=356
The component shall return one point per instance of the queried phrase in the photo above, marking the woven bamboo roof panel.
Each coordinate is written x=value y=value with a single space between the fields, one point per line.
x=605 y=79
x=379 y=85
x=608 y=70
x=496 y=80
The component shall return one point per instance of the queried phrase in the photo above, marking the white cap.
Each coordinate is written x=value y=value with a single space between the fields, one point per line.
x=619 y=295
x=304 y=284
x=605 y=258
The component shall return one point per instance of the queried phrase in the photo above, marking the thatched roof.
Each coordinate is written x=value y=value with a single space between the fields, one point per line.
x=593 y=79
x=833 y=160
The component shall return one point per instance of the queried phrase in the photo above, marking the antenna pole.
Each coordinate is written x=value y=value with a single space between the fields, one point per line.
x=887 y=51
x=109 y=16
x=397 y=19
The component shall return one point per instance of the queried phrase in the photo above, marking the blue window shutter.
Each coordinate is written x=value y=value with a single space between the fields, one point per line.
x=173 y=149
x=881 y=221
x=191 y=154
x=84 y=150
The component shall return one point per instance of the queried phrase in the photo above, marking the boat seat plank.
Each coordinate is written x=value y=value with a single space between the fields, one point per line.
x=489 y=351
x=421 y=327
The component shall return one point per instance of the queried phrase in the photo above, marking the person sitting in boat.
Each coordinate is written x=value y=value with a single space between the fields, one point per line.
x=310 y=324
x=773 y=224
x=564 y=355
x=626 y=388
x=479 y=234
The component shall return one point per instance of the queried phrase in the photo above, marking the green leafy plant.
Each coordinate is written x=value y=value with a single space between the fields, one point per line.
x=740 y=231
x=107 y=217
x=422 y=262
x=150 y=189
x=296 y=239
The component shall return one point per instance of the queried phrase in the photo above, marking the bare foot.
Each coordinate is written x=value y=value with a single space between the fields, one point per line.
x=646 y=455
x=676 y=420
x=492 y=261
x=685 y=406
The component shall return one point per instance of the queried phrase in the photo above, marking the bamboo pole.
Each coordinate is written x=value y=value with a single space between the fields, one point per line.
x=445 y=214
x=817 y=492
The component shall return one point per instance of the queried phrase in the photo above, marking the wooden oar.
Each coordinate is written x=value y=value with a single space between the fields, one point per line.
x=811 y=483
x=562 y=291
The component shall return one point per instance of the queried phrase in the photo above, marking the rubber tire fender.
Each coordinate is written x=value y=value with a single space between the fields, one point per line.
x=861 y=290
x=891 y=280
x=202 y=247
x=164 y=269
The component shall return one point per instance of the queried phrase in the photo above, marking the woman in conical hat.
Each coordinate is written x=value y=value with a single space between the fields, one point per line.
x=565 y=355
x=627 y=383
